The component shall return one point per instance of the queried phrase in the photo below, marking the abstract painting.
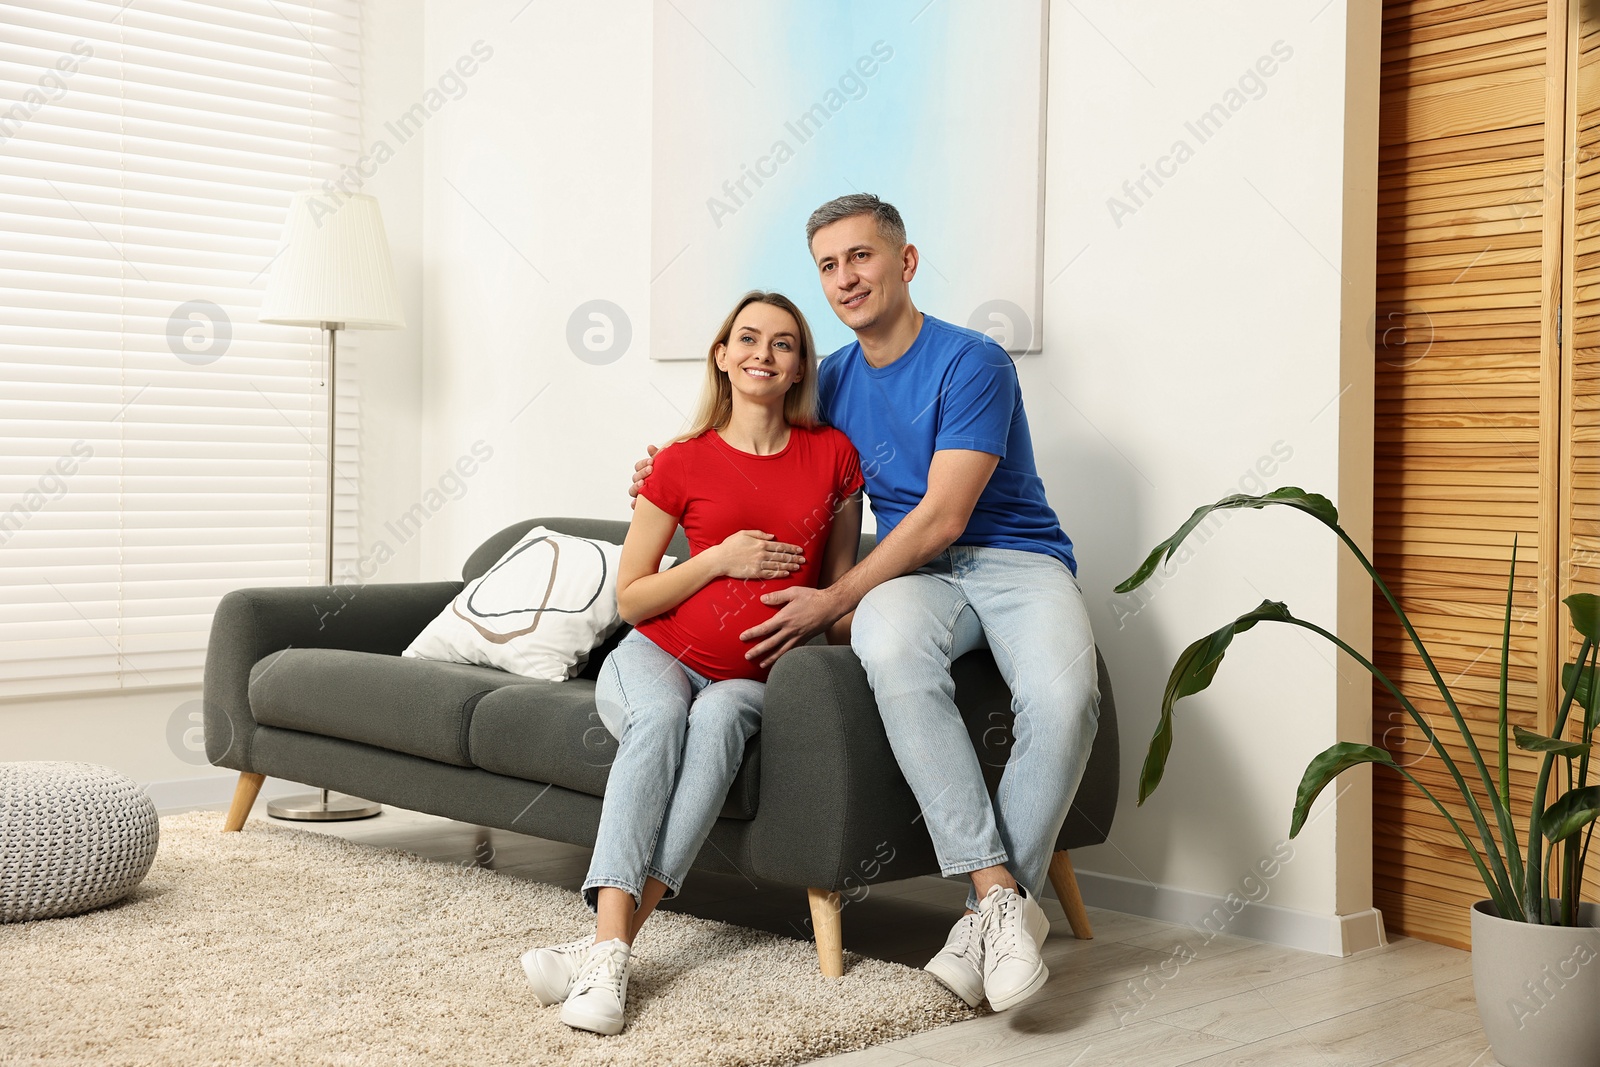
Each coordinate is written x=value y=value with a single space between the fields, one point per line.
x=764 y=111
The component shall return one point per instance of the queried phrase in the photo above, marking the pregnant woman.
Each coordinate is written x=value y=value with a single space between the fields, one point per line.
x=768 y=499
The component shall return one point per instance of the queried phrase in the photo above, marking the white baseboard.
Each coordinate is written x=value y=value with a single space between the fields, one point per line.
x=211 y=791
x=1207 y=914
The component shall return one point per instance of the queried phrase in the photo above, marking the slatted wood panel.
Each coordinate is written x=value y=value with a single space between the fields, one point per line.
x=1580 y=513
x=1579 y=569
x=1468 y=401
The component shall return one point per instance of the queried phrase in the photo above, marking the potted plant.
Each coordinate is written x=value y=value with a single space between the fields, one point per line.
x=1535 y=944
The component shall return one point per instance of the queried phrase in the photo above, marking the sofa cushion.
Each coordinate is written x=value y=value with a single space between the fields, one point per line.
x=551 y=732
x=413 y=706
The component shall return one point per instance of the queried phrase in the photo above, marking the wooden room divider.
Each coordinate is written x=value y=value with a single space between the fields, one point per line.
x=1488 y=397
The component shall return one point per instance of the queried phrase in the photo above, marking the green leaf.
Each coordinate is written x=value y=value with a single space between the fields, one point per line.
x=1585 y=611
x=1318 y=506
x=1583 y=690
x=1582 y=686
x=1529 y=741
x=1327 y=766
x=1571 y=813
x=1581 y=683
x=1192 y=673
x=1503 y=807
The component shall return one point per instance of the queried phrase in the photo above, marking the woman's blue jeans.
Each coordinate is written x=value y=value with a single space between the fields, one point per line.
x=681 y=738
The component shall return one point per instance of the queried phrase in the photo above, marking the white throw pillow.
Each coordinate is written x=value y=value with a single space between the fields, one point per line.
x=538 y=612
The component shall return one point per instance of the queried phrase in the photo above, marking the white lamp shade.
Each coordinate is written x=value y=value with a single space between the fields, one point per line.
x=334 y=266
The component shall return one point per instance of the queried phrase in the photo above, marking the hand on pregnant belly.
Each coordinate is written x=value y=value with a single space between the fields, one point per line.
x=754 y=554
x=802 y=614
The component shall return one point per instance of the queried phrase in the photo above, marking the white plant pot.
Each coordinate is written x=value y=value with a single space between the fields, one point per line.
x=1538 y=988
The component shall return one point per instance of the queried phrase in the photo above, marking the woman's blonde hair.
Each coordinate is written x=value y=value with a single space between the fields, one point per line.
x=716 y=397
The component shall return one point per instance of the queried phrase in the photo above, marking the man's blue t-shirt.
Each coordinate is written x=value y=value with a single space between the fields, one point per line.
x=953 y=388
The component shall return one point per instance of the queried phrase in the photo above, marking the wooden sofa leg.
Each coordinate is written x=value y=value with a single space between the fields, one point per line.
x=244 y=796
x=1066 y=884
x=830 y=933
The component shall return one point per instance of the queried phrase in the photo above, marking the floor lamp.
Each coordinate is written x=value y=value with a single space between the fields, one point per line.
x=333 y=272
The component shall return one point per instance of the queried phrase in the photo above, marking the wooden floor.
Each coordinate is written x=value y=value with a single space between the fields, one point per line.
x=1130 y=996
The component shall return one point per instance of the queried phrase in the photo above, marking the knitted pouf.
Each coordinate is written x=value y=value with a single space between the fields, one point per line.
x=73 y=836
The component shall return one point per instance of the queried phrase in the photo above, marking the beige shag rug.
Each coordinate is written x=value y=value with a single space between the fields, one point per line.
x=278 y=945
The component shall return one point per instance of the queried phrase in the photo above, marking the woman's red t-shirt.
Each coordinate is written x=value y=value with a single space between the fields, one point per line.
x=716 y=490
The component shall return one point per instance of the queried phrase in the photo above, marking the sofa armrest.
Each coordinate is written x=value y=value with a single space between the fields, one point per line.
x=835 y=811
x=252 y=623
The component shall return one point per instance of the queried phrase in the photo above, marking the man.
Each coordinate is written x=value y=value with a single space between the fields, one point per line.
x=969 y=554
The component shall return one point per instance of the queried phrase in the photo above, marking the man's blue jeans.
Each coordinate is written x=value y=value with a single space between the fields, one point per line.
x=1027 y=608
x=681 y=738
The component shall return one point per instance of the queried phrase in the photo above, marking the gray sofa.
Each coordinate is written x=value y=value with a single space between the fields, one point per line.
x=307 y=684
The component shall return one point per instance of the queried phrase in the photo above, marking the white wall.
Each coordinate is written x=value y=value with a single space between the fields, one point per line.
x=391 y=361
x=1185 y=346
x=537 y=200
x=1197 y=339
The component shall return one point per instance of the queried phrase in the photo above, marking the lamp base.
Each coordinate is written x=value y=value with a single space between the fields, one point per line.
x=322 y=807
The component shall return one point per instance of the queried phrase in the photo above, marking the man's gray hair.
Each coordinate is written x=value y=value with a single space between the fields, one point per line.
x=890 y=226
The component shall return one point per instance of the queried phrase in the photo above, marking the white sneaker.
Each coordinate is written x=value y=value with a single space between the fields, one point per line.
x=600 y=991
x=959 y=965
x=1037 y=922
x=1012 y=969
x=551 y=970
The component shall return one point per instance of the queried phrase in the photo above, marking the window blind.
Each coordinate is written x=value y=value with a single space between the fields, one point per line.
x=160 y=446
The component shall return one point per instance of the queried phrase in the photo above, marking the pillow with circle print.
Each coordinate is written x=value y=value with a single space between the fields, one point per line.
x=538 y=612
